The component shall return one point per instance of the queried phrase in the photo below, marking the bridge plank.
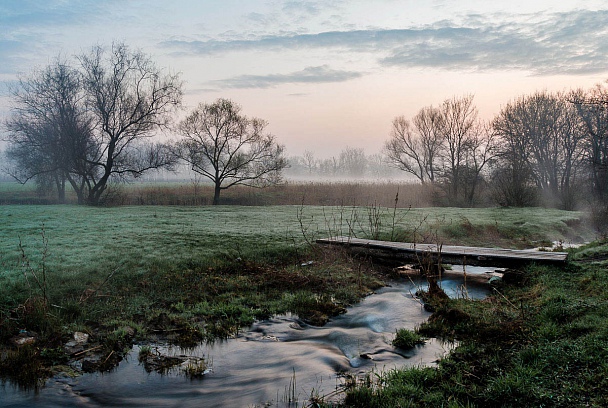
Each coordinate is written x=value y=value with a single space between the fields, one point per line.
x=470 y=254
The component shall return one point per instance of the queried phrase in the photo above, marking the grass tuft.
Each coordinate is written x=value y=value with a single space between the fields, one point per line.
x=407 y=339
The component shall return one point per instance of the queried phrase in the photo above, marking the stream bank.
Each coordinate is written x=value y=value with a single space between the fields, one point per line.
x=281 y=361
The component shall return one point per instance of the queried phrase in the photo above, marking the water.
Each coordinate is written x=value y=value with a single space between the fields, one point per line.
x=274 y=363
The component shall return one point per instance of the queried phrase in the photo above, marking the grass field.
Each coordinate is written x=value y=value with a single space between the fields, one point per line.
x=199 y=273
x=90 y=241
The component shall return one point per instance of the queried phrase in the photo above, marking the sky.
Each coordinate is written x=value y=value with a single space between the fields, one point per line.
x=331 y=73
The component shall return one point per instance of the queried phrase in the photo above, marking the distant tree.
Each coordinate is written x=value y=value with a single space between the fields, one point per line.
x=592 y=109
x=542 y=136
x=229 y=148
x=90 y=124
x=48 y=129
x=352 y=162
x=329 y=167
x=378 y=167
x=310 y=161
x=414 y=148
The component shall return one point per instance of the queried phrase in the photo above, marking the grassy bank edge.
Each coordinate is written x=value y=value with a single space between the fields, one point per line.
x=539 y=340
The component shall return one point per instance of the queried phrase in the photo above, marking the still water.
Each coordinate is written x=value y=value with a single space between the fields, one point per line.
x=278 y=362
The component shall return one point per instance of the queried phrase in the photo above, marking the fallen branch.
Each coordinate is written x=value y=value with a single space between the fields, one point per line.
x=81 y=353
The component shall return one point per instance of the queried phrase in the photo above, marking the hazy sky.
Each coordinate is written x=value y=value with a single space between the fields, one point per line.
x=333 y=73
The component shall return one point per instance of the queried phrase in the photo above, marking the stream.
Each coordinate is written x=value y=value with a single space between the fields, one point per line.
x=278 y=362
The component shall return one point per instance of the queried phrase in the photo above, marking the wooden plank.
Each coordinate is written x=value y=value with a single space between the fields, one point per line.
x=472 y=255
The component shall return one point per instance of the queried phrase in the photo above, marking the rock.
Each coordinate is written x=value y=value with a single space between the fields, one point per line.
x=162 y=364
x=80 y=338
x=76 y=345
x=72 y=348
x=22 y=340
x=90 y=365
x=408 y=270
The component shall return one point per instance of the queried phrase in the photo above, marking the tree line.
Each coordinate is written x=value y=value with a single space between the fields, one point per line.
x=350 y=163
x=90 y=122
x=543 y=148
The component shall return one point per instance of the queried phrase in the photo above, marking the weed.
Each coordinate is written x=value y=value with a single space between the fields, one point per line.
x=145 y=351
x=407 y=339
x=195 y=369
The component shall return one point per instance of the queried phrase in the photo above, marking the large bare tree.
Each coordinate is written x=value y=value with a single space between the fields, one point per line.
x=130 y=99
x=92 y=123
x=414 y=147
x=447 y=145
x=458 y=128
x=49 y=130
x=542 y=136
x=228 y=148
x=592 y=108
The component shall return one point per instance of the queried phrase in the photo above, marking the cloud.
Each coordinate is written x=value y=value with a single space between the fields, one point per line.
x=358 y=40
x=35 y=14
x=543 y=44
x=317 y=75
x=30 y=28
x=570 y=43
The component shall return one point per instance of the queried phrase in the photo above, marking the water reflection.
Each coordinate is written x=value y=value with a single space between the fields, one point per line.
x=275 y=362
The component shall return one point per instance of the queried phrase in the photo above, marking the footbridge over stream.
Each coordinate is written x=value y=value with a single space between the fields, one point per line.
x=395 y=252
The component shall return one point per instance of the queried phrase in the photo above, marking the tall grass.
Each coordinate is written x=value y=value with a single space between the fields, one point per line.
x=292 y=193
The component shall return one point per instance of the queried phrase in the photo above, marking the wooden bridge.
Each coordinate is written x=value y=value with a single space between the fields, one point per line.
x=399 y=251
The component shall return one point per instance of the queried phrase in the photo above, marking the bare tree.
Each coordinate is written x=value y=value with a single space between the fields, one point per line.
x=330 y=166
x=458 y=127
x=352 y=162
x=404 y=149
x=482 y=150
x=229 y=148
x=446 y=144
x=415 y=148
x=129 y=99
x=89 y=125
x=48 y=130
x=592 y=108
x=542 y=136
x=310 y=161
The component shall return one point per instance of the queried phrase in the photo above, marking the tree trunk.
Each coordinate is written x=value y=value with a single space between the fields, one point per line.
x=216 y=195
x=60 y=183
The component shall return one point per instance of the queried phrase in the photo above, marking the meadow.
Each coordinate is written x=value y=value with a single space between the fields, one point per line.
x=87 y=242
x=187 y=274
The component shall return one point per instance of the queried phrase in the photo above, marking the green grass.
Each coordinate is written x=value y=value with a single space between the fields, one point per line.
x=91 y=242
x=205 y=272
x=541 y=344
x=407 y=339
